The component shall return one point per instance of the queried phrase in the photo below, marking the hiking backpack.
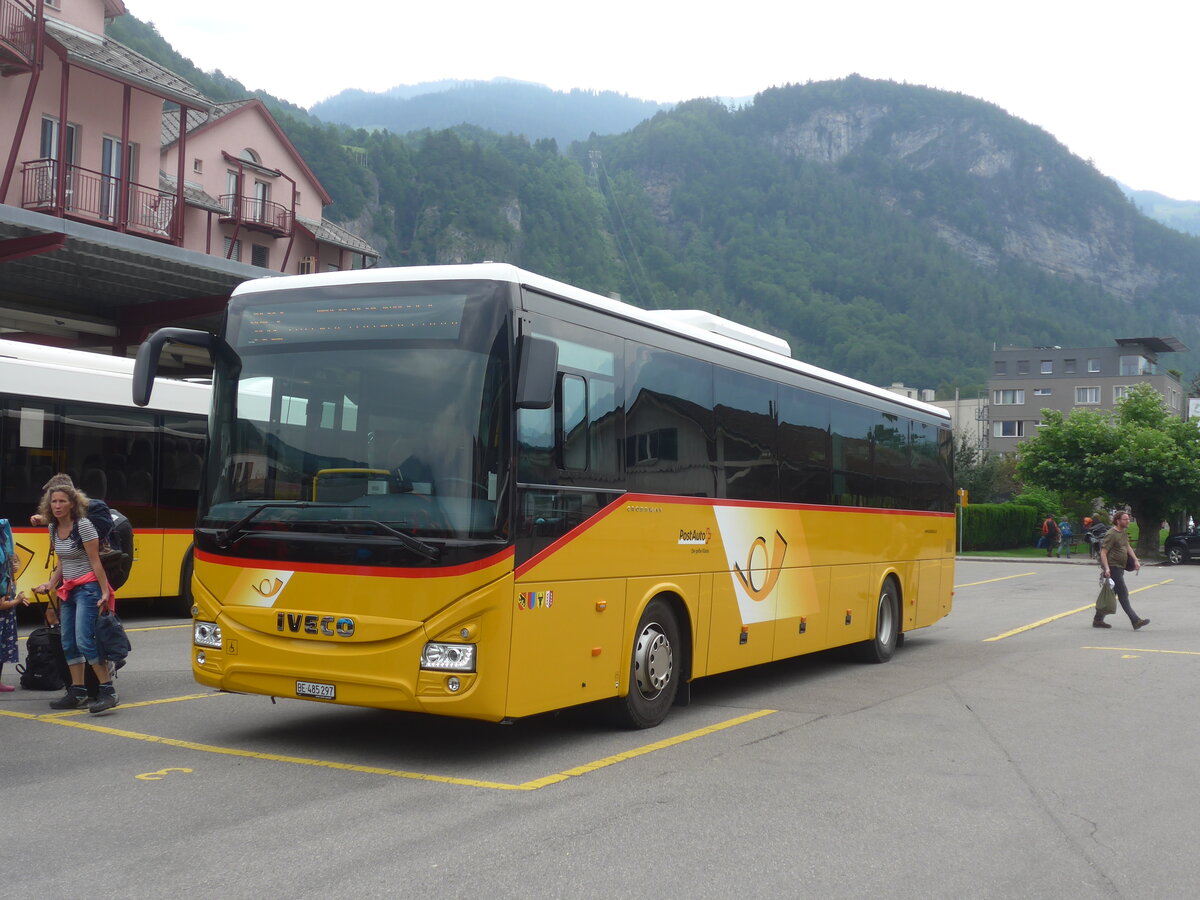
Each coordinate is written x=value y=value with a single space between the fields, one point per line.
x=42 y=670
x=116 y=540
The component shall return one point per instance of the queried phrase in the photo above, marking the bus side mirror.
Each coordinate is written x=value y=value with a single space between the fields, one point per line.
x=145 y=369
x=537 y=364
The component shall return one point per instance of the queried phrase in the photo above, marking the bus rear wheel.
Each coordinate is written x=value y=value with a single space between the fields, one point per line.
x=887 y=626
x=654 y=668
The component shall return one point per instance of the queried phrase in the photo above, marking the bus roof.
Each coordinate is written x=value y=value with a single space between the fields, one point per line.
x=55 y=373
x=695 y=325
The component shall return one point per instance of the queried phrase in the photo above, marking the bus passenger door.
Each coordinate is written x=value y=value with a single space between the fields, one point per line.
x=566 y=644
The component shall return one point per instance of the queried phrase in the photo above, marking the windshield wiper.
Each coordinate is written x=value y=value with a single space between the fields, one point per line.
x=417 y=546
x=224 y=539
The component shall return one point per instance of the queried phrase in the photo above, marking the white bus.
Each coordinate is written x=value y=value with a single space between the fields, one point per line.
x=70 y=411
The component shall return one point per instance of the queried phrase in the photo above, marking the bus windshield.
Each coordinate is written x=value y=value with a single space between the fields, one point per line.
x=364 y=416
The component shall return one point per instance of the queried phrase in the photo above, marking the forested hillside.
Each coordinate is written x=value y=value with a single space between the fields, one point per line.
x=888 y=231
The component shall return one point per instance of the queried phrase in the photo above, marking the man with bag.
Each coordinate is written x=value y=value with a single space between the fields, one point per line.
x=1117 y=558
x=1050 y=533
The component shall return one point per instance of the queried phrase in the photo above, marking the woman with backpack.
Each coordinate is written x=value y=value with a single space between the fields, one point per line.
x=83 y=588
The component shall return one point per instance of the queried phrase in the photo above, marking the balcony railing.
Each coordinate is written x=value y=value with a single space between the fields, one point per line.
x=94 y=197
x=258 y=215
x=18 y=31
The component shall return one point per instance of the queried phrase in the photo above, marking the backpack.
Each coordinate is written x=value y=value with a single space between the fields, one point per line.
x=116 y=540
x=6 y=557
x=42 y=670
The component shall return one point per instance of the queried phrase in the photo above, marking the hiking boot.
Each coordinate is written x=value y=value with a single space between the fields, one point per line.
x=106 y=700
x=1100 y=623
x=1139 y=623
x=74 y=698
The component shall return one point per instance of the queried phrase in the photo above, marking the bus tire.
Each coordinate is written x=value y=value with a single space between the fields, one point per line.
x=654 y=668
x=181 y=605
x=887 y=626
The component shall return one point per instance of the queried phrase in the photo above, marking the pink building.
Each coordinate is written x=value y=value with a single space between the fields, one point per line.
x=119 y=173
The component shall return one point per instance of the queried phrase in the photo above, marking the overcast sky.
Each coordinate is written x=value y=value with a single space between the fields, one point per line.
x=1114 y=81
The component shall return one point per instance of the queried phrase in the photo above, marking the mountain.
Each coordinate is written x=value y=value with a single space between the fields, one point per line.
x=889 y=231
x=502 y=105
x=1182 y=215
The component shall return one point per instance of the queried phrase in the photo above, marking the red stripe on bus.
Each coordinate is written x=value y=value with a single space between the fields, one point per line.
x=386 y=571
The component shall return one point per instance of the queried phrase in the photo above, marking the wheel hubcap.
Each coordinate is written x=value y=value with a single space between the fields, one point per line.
x=652 y=660
x=886 y=614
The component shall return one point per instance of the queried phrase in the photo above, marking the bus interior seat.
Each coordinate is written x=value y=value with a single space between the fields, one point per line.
x=94 y=483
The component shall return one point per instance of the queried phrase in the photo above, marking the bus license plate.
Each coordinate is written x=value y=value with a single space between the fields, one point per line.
x=315 y=689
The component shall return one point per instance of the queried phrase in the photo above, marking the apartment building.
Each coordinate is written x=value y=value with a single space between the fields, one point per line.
x=1027 y=380
x=128 y=199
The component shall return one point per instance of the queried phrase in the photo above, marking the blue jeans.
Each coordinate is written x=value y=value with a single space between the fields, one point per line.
x=78 y=616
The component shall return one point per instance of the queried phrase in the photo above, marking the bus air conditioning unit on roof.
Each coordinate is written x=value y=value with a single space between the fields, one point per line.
x=706 y=321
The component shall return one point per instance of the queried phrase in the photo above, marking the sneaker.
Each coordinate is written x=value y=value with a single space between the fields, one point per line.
x=106 y=701
x=1139 y=623
x=1100 y=623
x=74 y=698
x=5 y=688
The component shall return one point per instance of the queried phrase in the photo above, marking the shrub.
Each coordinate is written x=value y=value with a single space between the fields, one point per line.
x=998 y=526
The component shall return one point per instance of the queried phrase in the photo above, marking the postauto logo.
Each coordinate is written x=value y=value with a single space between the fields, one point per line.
x=695 y=535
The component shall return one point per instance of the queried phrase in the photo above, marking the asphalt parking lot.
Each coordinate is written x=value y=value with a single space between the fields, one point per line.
x=1010 y=750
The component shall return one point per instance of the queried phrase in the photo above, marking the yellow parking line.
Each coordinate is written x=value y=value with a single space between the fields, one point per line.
x=535 y=784
x=1063 y=615
x=992 y=580
x=1140 y=650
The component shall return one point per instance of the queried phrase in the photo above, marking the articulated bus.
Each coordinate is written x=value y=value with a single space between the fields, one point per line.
x=475 y=491
x=70 y=411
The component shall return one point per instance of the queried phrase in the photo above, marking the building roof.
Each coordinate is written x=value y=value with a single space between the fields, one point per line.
x=1155 y=344
x=327 y=232
x=106 y=56
x=192 y=195
x=195 y=118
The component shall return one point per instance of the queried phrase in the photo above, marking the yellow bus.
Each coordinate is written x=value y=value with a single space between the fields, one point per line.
x=71 y=411
x=475 y=491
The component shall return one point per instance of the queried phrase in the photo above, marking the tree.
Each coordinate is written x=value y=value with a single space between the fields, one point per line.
x=1140 y=455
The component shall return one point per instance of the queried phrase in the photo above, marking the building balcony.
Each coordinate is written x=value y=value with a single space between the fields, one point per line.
x=258 y=215
x=94 y=197
x=18 y=35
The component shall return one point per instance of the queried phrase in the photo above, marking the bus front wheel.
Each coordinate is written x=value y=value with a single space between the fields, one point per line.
x=887 y=626
x=654 y=668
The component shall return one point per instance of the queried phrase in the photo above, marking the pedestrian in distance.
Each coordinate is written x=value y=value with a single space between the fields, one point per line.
x=1050 y=533
x=83 y=590
x=1117 y=558
x=1064 y=538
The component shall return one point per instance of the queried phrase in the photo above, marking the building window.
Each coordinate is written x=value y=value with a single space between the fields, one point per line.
x=1008 y=398
x=1136 y=365
x=1042 y=392
x=1093 y=365
x=1087 y=395
x=260 y=256
x=1022 y=367
x=1047 y=367
x=1069 y=366
x=198 y=166
x=1000 y=367
x=1009 y=428
x=1119 y=391
x=233 y=249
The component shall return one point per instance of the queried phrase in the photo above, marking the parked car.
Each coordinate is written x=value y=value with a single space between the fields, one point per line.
x=1179 y=548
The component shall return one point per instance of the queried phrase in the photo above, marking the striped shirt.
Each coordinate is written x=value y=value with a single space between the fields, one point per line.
x=73 y=556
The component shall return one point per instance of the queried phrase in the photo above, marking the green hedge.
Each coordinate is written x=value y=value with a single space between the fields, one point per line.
x=997 y=526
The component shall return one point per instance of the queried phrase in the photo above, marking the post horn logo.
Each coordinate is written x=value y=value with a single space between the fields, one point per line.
x=774 y=564
x=267 y=589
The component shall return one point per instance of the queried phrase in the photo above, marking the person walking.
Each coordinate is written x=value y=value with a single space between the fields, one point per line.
x=1116 y=558
x=1064 y=538
x=82 y=587
x=1050 y=533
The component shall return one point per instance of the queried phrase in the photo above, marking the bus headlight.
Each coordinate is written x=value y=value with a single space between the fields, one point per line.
x=206 y=634
x=449 y=657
